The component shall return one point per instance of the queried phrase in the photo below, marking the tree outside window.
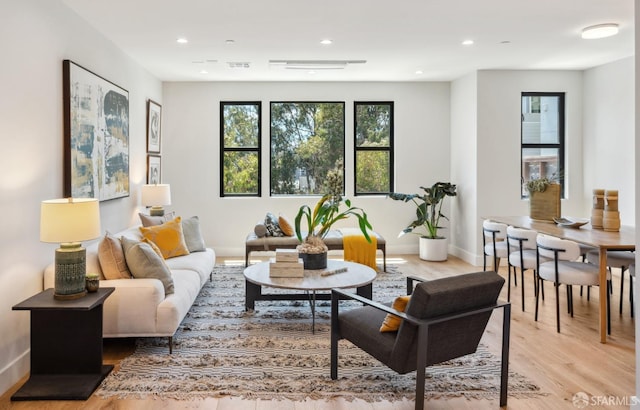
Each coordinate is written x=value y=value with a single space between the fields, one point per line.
x=240 y=154
x=373 y=147
x=307 y=141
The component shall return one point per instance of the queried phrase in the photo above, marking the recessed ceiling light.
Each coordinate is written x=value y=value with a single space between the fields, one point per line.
x=467 y=42
x=204 y=72
x=311 y=72
x=182 y=40
x=326 y=42
x=418 y=72
x=600 y=31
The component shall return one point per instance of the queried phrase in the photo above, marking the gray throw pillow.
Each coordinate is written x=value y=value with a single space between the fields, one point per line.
x=148 y=220
x=193 y=234
x=260 y=230
x=144 y=262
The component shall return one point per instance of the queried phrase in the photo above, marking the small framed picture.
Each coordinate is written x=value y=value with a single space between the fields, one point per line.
x=154 y=169
x=154 y=117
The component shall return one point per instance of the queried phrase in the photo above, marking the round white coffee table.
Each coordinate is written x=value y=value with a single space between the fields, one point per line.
x=356 y=276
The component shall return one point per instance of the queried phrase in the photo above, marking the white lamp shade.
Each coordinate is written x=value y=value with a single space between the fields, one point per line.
x=69 y=220
x=156 y=195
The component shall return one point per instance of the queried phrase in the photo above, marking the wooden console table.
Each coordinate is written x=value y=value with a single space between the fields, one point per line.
x=66 y=346
x=624 y=240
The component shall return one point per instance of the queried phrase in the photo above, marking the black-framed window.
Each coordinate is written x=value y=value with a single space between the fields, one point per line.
x=307 y=141
x=542 y=137
x=373 y=154
x=240 y=141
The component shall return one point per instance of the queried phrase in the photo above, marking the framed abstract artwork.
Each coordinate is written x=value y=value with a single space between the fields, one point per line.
x=96 y=135
x=154 y=169
x=154 y=116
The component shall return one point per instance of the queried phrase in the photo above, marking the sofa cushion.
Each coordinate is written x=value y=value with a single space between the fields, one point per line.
x=153 y=246
x=391 y=322
x=111 y=256
x=272 y=225
x=148 y=220
x=285 y=226
x=260 y=230
x=144 y=262
x=193 y=234
x=168 y=236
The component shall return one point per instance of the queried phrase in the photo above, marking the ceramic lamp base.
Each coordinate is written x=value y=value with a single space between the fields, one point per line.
x=156 y=211
x=71 y=268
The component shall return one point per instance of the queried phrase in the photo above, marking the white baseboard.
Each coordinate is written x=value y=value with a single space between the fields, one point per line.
x=14 y=371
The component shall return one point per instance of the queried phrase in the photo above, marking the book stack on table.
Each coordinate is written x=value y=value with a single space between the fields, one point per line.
x=286 y=264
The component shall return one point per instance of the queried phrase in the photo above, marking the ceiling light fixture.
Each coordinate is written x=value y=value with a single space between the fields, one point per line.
x=182 y=40
x=467 y=43
x=419 y=72
x=314 y=64
x=600 y=31
x=326 y=42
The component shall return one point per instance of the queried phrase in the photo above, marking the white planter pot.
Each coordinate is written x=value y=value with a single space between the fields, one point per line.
x=433 y=249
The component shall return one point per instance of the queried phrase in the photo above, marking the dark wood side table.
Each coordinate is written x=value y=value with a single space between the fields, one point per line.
x=66 y=346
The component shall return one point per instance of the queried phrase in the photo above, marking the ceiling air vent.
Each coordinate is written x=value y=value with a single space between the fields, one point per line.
x=314 y=64
x=238 y=64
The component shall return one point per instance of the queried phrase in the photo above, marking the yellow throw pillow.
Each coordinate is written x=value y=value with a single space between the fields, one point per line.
x=168 y=237
x=391 y=322
x=153 y=246
x=285 y=226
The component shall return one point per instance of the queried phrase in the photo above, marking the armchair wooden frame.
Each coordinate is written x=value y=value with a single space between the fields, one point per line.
x=423 y=326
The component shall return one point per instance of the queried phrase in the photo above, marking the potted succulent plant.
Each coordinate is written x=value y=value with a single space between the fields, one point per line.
x=544 y=198
x=325 y=213
x=428 y=213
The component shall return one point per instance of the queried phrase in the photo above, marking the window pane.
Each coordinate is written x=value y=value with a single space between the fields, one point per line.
x=240 y=172
x=307 y=140
x=372 y=171
x=373 y=125
x=241 y=125
x=539 y=163
x=540 y=119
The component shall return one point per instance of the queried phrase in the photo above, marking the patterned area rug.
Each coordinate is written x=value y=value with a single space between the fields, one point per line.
x=271 y=353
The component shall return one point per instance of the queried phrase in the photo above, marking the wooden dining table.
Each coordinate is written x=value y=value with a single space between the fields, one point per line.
x=604 y=241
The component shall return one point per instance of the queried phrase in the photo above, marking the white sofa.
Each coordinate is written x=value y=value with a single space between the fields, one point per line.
x=139 y=307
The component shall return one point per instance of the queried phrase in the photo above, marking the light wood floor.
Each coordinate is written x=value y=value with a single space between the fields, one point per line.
x=561 y=364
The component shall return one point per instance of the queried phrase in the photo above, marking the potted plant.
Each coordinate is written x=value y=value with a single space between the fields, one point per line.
x=544 y=198
x=433 y=247
x=325 y=213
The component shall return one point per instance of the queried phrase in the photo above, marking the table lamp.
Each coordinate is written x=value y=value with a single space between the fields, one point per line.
x=156 y=196
x=68 y=222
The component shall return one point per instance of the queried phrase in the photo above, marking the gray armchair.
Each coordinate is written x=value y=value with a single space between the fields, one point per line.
x=447 y=317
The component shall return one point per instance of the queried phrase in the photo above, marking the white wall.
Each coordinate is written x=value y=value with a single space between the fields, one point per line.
x=191 y=154
x=609 y=140
x=37 y=36
x=464 y=163
x=498 y=167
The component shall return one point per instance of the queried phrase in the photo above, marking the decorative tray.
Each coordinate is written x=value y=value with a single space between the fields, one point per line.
x=570 y=223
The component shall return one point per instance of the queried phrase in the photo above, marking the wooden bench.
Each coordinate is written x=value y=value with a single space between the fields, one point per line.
x=333 y=240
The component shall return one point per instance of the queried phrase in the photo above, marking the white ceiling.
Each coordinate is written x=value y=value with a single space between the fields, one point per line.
x=396 y=38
